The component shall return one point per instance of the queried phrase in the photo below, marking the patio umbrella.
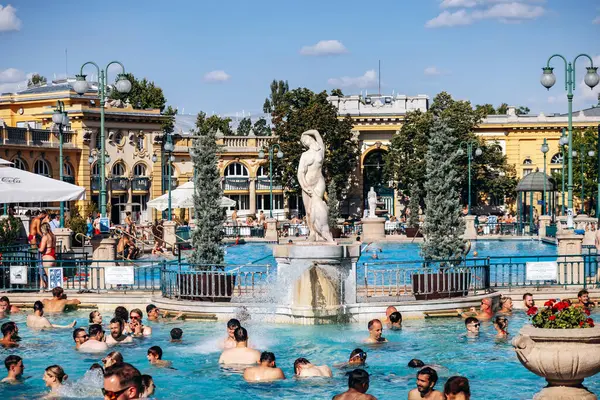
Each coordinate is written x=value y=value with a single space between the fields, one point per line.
x=183 y=197
x=5 y=162
x=18 y=186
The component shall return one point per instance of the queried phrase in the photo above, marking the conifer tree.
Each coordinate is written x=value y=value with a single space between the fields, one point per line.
x=413 y=206
x=334 y=204
x=444 y=226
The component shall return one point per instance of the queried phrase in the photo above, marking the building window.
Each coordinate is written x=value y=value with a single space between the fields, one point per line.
x=263 y=202
x=98 y=142
x=262 y=172
x=527 y=171
x=165 y=170
x=20 y=164
x=67 y=169
x=41 y=167
x=527 y=161
x=243 y=201
x=95 y=169
x=139 y=170
x=556 y=159
x=236 y=170
x=118 y=169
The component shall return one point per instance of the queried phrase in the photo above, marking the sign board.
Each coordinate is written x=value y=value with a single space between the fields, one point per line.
x=541 y=202
x=541 y=271
x=56 y=277
x=104 y=225
x=18 y=275
x=118 y=276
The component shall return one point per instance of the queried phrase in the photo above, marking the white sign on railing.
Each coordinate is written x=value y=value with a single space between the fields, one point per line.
x=118 y=276
x=18 y=275
x=541 y=271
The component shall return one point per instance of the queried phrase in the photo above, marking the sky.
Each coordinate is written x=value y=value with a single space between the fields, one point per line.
x=220 y=56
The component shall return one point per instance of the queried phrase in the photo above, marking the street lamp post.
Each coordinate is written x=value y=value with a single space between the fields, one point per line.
x=549 y=79
x=563 y=142
x=168 y=151
x=123 y=85
x=544 y=150
x=478 y=152
x=261 y=155
x=61 y=119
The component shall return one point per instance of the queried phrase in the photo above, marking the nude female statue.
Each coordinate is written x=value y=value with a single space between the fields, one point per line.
x=312 y=182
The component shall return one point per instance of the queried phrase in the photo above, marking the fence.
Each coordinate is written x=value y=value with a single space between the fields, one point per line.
x=501 y=228
x=243 y=231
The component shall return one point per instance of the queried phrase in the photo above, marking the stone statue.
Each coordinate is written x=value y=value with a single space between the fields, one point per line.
x=570 y=222
x=372 y=198
x=312 y=182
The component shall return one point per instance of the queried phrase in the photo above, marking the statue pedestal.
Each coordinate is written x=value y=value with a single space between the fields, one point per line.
x=544 y=223
x=271 y=232
x=373 y=229
x=169 y=237
x=63 y=240
x=572 y=270
x=314 y=281
x=104 y=249
x=470 y=230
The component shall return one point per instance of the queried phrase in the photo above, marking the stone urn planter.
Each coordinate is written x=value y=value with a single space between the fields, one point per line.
x=565 y=357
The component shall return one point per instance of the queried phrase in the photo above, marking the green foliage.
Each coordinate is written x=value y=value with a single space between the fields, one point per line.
x=337 y=92
x=9 y=230
x=522 y=110
x=209 y=215
x=413 y=206
x=444 y=226
x=144 y=94
x=36 y=79
x=278 y=91
x=168 y=124
x=244 y=127
x=262 y=128
x=214 y=123
x=560 y=315
x=334 y=204
x=583 y=142
x=76 y=222
x=502 y=109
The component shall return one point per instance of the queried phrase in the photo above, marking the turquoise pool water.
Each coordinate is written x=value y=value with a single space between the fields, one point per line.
x=490 y=364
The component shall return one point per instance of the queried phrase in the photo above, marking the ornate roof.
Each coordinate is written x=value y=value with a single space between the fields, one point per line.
x=534 y=182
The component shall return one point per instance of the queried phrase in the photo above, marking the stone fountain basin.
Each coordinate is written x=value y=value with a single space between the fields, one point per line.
x=563 y=356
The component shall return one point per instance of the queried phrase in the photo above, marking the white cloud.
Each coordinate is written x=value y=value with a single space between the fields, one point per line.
x=8 y=19
x=511 y=11
x=432 y=71
x=368 y=80
x=13 y=80
x=446 y=18
x=324 y=48
x=458 y=3
x=503 y=11
x=216 y=76
x=596 y=21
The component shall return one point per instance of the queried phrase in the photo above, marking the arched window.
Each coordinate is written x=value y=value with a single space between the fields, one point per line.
x=98 y=142
x=118 y=169
x=67 y=169
x=20 y=164
x=139 y=170
x=165 y=170
x=262 y=171
x=527 y=161
x=95 y=169
x=556 y=159
x=236 y=170
x=41 y=167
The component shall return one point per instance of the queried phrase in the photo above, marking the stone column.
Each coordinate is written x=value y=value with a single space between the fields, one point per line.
x=63 y=237
x=373 y=229
x=169 y=234
x=570 y=269
x=253 y=195
x=271 y=232
x=544 y=223
x=104 y=249
x=470 y=230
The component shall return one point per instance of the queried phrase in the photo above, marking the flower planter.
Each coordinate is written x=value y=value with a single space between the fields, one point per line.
x=413 y=232
x=565 y=357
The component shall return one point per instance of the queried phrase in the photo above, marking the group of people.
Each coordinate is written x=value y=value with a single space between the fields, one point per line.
x=42 y=240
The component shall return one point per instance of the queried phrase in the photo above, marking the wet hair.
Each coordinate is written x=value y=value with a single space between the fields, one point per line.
x=57 y=372
x=156 y=351
x=471 y=320
x=38 y=306
x=4 y=298
x=95 y=329
x=8 y=328
x=504 y=299
x=76 y=332
x=300 y=361
x=127 y=374
x=456 y=385
x=582 y=292
x=146 y=381
x=395 y=317
x=527 y=294
x=240 y=334
x=267 y=356
x=150 y=307
x=119 y=321
x=121 y=312
x=416 y=363
x=502 y=322
x=138 y=312
x=92 y=315
x=97 y=366
x=176 y=333
x=371 y=322
x=357 y=377
x=116 y=356
x=11 y=360
x=355 y=352
x=233 y=323
x=430 y=372
x=127 y=213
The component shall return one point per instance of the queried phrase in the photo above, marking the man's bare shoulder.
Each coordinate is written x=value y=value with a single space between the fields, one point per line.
x=437 y=395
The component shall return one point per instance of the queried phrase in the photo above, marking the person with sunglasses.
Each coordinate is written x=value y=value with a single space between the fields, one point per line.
x=358 y=358
x=122 y=382
x=80 y=337
x=95 y=343
x=472 y=324
x=265 y=371
x=136 y=325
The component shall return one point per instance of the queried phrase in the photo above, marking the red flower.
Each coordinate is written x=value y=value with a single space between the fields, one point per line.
x=532 y=311
x=590 y=322
x=549 y=303
x=581 y=323
x=552 y=317
x=561 y=305
x=586 y=311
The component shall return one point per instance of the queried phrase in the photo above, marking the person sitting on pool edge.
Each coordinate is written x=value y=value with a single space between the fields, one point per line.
x=117 y=334
x=472 y=324
x=232 y=325
x=80 y=336
x=304 y=369
x=528 y=301
x=375 y=331
x=14 y=366
x=95 y=343
x=176 y=335
x=59 y=301
x=358 y=384
x=155 y=354
x=426 y=379
x=10 y=333
x=265 y=371
x=395 y=323
x=457 y=388
x=38 y=321
x=240 y=354
x=6 y=307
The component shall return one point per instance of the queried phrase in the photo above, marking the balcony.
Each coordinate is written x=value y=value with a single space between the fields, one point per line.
x=141 y=184
x=95 y=183
x=15 y=135
x=69 y=179
x=236 y=184
x=34 y=137
x=262 y=183
x=165 y=183
x=119 y=184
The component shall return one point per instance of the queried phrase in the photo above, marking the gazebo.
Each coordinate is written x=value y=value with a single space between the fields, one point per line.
x=532 y=183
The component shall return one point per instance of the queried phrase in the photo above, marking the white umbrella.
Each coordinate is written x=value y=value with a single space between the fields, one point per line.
x=18 y=186
x=5 y=162
x=183 y=197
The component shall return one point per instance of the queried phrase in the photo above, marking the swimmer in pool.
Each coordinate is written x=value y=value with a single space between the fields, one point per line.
x=265 y=371
x=375 y=331
x=389 y=311
x=116 y=333
x=59 y=301
x=14 y=366
x=80 y=336
x=155 y=354
x=176 y=335
x=395 y=321
x=38 y=321
x=232 y=325
x=6 y=307
x=240 y=354
x=358 y=358
x=358 y=384
x=95 y=343
x=304 y=369
x=10 y=333
x=426 y=380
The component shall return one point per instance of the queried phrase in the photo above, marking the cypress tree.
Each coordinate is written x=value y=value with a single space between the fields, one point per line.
x=413 y=206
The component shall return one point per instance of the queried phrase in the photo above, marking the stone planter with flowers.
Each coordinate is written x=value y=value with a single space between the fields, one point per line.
x=562 y=345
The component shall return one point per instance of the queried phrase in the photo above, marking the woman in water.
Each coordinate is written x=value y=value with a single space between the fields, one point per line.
x=54 y=377
x=501 y=325
x=113 y=358
x=95 y=317
x=507 y=305
x=48 y=251
x=149 y=387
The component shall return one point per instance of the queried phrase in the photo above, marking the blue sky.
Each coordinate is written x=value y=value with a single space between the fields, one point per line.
x=220 y=56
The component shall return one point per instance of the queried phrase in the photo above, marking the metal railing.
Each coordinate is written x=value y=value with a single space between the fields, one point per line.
x=33 y=137
x=263 y=183
x=119 y=183
x=236 y=184
x=15 y=135
x=243 y=231
x=501 y=228
x=40 y=136
x=141 y=184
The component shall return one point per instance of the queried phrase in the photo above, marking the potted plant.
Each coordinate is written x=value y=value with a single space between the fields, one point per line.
x=562 y=345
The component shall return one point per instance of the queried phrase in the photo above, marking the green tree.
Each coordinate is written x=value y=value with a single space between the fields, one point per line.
x=413 y=206
x=584 y=141
x=278 y=91
x=168 y=125
x=522 y=110
x=487 y=108
x=244 y=127
x=337 y=92
x=334 y=204
x=262 y=128
x=144 y=94
x=502 y=109
x=444 y=226
x=210 y=216
x=36 y=79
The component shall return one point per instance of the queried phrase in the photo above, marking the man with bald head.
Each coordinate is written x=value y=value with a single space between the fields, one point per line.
x=389 y=311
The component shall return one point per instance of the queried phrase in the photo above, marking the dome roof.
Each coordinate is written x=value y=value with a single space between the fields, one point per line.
x=534 y=182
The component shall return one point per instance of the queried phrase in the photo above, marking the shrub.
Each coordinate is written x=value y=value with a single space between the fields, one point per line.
x=560 y=315
x=9 y=230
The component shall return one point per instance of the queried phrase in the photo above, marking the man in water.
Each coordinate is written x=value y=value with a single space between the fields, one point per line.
x=59 y=301
x=485 y=311
x=6 y=307
x=358 y=384
x=395 y=323
x=79 y=337
x=232 y=325
x=10 y=333
x=584 y=299
x=122 y=381
x=266 y=371
x=240 y=354
x=155 y=354
x=153 y=312
x=95 y=343
x=15 y=367
x=176 y=335
x=116 y=333
x=528 y=301
x=375 y=331
x=358 y=357
x=304 y=369
x=426 y=380
x=389 y=311
x=472 y=324
x=38 y=321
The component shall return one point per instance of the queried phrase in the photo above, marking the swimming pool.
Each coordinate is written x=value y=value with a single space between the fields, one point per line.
x=491 y=365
